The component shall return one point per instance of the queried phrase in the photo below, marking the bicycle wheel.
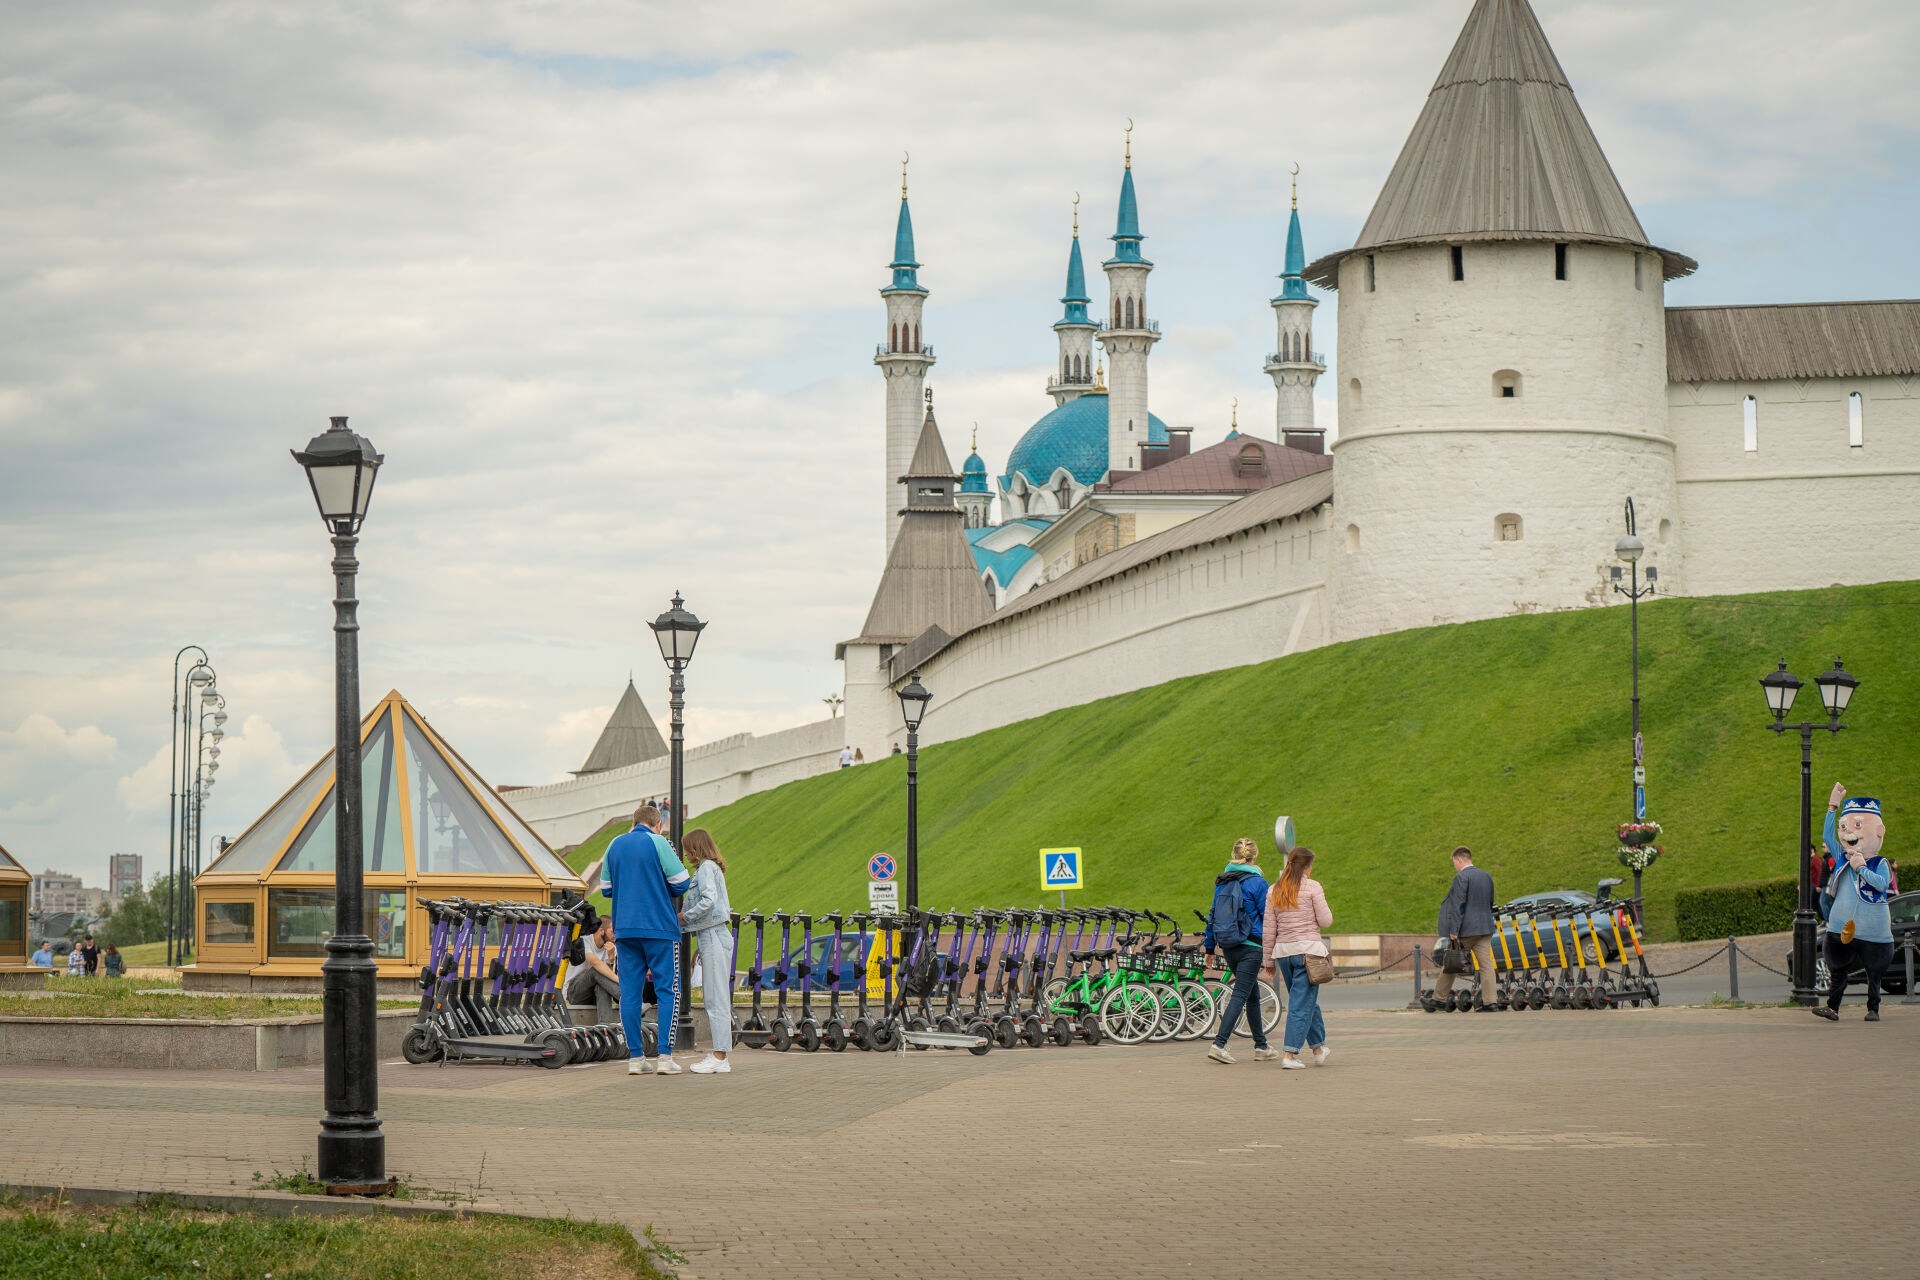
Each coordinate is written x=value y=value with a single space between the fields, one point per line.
x=1166 y=999
x=1271 y=1007
x=1129 y=1014
x=1199 y=1014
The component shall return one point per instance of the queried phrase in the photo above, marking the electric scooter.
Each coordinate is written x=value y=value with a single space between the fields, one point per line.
x=754 y=1032
x=861 y=1028
x=833 y=1032
x=780 y=1033
x=806 y=1032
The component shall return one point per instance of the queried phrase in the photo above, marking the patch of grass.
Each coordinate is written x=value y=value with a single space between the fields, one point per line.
x=1509 y=735
x=152 y=953
x=167 y=1240
x=124 y=998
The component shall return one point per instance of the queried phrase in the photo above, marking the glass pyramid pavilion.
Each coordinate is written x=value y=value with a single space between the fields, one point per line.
x=433 y=829
x=13 y=912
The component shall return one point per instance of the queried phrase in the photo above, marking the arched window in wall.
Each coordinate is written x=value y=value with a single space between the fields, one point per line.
x=1506 y=385
x=1353 y=539
x=916 y=338
x=1506 y=527
x=1064 y=494
x=893 y=337
x=1353 y=390
x=1856 y=420
x=1129 y=313
x=1750 y=424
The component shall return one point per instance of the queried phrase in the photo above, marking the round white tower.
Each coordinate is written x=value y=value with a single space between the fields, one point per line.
x=1127 y=335
x=903 y=358
x=1294 y=365
x=1502 y=357
x=1073 y=376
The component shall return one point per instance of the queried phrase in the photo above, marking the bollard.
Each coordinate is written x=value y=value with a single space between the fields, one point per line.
x=1733 y=970
x=1415 y=1002
x=1911 y=997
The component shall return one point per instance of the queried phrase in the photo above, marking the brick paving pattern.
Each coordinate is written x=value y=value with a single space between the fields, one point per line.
x=1658 y=1143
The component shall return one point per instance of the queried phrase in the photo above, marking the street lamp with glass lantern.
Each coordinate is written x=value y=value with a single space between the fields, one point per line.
x=1630 y=549
x=341 y=467
x=913 y=708
x=1836 y=691
x=199 y=679
x=677 y=632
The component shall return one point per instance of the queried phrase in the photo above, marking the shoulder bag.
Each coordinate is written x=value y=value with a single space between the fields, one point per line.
x=1456 y=958
x=1319 y=968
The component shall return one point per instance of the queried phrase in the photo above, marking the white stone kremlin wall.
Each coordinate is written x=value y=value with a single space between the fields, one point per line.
x=1431 y=456
x=1242 y=599
x=1804 y=508
x=718 y=773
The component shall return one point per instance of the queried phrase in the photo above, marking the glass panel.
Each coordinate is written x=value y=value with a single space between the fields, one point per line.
x=380 y=812
x=452 y=833
x=254 y=850
x=13 y=920
x=228 y=924
x=387 y=922
x=544 y=860
x=299 y=921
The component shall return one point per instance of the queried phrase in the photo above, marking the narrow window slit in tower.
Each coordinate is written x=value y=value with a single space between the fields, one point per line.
x=1559 y=262
x=1638 y=267
x=1750 y=417
x=1369 y=273
x=1856 y=421
x=1459 y=263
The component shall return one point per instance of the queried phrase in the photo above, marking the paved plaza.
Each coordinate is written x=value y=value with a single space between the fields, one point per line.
x=1670 y=1142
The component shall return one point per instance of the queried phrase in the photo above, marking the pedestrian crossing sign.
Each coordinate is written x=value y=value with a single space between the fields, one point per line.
x=1060 y=869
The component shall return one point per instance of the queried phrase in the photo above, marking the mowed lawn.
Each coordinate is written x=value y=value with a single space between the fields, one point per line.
x=1510 y=735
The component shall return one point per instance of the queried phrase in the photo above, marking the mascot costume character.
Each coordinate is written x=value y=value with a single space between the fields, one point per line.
x=1854 y=902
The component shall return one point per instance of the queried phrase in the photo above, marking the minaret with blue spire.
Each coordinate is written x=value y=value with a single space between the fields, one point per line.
x=974 y=498
x=1127 y=334
x=1294 y=365
x=1073 y=376
x=903 y=358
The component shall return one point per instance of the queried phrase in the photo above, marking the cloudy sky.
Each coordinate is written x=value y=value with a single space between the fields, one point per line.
x=599 y=279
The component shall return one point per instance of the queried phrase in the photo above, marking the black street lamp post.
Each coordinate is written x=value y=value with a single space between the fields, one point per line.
x=1836 y=690
x=913 y=707
x=677 y=632
x=1629 y=548
x=341 y=467
x=199 y=676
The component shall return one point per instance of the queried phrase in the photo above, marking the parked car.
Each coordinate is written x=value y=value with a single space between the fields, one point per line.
x=1906 y=933
x=1573 y=907
x=852 y=965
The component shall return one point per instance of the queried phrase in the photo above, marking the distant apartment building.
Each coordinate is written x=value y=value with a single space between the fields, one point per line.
x=124 y=874
x=56 y=891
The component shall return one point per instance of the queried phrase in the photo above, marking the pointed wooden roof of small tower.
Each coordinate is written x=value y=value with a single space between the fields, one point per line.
x=931 y=579
x=1501 y=151
x=630 y=737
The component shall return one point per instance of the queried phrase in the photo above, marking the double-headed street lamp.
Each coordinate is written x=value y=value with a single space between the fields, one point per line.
x=677 y=632
x=1629 y=548
x=1836 y=690
x=340 y=468
x=913 y=708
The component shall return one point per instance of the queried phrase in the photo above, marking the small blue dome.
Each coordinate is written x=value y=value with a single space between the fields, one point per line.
x=973 y=476
x=1073 y=436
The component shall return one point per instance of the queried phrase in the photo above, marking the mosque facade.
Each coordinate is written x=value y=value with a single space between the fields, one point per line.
x=1512 y=390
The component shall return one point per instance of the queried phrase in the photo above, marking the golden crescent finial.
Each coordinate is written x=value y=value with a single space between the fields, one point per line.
x=904 y=157
x=1076 y=215
x=976 y=437
x=1129 y=142
x=1236 y=413
x=1296 y=184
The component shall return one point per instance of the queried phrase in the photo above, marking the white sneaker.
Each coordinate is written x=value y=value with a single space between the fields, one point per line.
x=1292 y=1064
x=1267 y=1054
x=667 y=1067
x=711 y=1066
x=639 y=1066
x=1220 y=1055
x=1321 y=1055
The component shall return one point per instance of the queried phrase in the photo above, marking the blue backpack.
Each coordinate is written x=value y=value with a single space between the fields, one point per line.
x=1231 y=922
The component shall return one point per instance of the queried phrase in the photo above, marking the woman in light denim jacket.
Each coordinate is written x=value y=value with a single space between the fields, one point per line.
x=708 y=916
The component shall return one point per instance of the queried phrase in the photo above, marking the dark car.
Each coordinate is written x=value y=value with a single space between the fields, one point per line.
x=851 y=966
x=1564 y=909
x=1906 y=933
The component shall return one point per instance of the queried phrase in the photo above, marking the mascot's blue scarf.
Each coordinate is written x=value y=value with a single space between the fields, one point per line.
x=1866 y=891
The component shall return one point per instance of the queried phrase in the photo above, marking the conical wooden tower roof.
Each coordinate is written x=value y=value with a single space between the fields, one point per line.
x=1501 y=151
x=631 y=737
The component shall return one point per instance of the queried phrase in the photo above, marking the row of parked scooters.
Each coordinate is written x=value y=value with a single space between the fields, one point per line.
x=1532 y=972
x=968 y=979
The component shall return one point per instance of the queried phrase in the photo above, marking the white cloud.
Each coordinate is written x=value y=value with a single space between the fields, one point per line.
x=41 y=735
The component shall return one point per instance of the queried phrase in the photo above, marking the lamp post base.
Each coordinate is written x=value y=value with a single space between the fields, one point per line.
x=1805 y=961
x=353 y=1162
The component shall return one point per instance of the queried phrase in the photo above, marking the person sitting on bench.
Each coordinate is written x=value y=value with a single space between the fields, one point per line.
x=597 y=979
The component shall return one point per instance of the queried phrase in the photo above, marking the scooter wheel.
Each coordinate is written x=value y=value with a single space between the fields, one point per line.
x=808 y=1036
x=778 y=1038
x=917 y=1023
x=834 y=1037
x=884 y=1037
x=1033 y=1031
x=1006 y=1033
x=1090 y=1028
x=1463 y=1001
x=946 y=1022
x=1062 y=1030
x=562 y=1046
x=421 y=1046
x=1653 y=993
x=859 y=1033
x=980 y=1050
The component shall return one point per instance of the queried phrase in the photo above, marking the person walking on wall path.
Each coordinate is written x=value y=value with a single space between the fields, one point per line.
x=1296 y=913
x=1466 y=917
x=643 y=879
x=1859 y=921
x=708 y=916
x=1233 y=928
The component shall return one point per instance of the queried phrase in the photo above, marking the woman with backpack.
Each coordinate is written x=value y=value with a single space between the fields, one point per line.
x=1233 y=928
x=1296 y=913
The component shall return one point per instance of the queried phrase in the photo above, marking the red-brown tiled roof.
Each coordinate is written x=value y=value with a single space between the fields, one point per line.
x=1214 y=470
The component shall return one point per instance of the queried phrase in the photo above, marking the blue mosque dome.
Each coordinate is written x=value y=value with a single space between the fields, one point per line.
x=973 y=476
x=1073 y=436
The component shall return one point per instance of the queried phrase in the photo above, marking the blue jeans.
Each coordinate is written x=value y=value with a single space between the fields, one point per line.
x=1304 y=1024
x=638 y=958
x=1244 y=959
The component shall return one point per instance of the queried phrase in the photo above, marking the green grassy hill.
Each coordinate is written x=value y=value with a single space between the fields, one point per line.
x=1509 y=735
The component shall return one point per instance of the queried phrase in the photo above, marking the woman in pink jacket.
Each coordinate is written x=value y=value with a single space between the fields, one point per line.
x=1296 y=913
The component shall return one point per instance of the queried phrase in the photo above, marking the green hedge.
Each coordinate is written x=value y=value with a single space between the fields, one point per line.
x=1730 y=910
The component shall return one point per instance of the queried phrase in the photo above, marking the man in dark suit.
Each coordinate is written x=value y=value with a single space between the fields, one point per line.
x=1466 y=916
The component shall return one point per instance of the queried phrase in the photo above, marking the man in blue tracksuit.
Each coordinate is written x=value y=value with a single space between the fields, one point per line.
x=643 y=878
